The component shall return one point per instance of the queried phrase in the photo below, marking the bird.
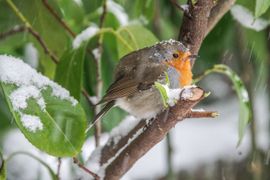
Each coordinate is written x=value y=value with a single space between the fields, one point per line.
x=133 y=88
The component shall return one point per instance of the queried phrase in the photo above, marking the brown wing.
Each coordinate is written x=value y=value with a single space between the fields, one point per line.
x=120 y=88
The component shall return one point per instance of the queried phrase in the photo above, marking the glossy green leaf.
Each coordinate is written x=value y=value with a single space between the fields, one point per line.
x=245 y=112
x=261 y=7
x=64 y=125
x=136 y=37
x=3 y=170
x=69 y=72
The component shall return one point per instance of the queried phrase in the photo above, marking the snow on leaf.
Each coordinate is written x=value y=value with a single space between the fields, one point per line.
x=118 y=11
x=43 y=110
x=31 y=55
x=32 y=123
x=29 y=85
x=85 y=35
x=246 y=18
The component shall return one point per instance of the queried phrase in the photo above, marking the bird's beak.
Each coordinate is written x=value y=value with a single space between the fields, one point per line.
x=192 y=58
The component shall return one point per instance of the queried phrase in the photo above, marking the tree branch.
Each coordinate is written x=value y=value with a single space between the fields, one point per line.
x=205 y=15
x=59 y=168
x=193 y=30
x=202 y=114
x=13 y=31
x=150 y=136
x=54 y=13
x=80 y=165
x=218 y=11
x=99 y=81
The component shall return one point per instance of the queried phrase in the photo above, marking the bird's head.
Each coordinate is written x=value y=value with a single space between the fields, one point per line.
x=175 y=54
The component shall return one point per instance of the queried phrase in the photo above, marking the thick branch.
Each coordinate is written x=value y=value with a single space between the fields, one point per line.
x=193 y=30
x=151 y=135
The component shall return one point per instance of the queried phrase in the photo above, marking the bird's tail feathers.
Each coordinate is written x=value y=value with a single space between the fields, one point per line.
x=103 y=111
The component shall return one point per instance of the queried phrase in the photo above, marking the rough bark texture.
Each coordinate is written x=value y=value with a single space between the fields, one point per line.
x=193 y=29
x=152 y=135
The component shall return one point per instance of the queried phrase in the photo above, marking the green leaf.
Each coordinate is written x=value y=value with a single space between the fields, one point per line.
x=69 y=72
x=144 y=9
x=48 y=28
x=261 y=7
x=64 y=125
x=3 y=170
x=136 y=36
x=163 y=93
x=245 y=112
x=51 y=172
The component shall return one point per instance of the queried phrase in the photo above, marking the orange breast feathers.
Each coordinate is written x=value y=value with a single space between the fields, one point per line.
x=183 y=66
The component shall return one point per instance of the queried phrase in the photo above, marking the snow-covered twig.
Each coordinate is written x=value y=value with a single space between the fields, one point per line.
x=80 y=165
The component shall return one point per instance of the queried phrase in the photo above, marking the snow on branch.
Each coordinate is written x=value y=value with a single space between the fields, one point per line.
x=122 y=152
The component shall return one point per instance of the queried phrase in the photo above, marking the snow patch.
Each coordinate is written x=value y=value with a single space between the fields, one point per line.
x=245 y=18
x=31 y=55
x=101 y=171
x=29 y=84
x=94 y=161
x=96 y=53
x=118 y=11
x=198 y=110
x=32 y=123
x=123 y=128
x=85 y=35
x=22 y=94
x=174 y=94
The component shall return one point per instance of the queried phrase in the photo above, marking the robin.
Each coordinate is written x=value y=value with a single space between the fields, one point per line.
x=133 y=88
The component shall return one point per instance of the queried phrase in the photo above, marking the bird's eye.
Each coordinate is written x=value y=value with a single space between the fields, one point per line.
x=175 y=55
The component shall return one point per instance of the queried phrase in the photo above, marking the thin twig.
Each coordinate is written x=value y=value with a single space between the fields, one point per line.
x=181 y=8
x=202 y=114
x=174 y=2
x=54 y=13
x=99 y=81
x=87 y=96
x=59 y=168
x=13 y=31
x=32 y=31
x=42 y=43
x=80 y=165
x=169 y=155
x=218 y=11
